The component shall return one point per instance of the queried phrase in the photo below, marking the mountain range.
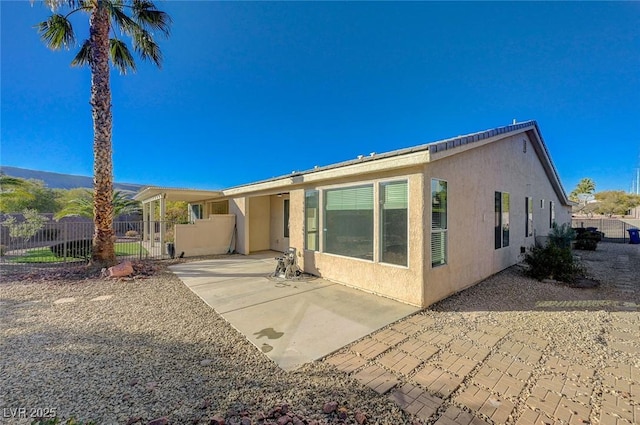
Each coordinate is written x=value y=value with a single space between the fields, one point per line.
x=62 y=181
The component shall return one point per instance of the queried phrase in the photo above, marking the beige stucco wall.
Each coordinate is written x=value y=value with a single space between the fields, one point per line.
x=398 y=282
x=277 y=241
x=205 y=237
x=238 y=207
x=259 y=221
x=473 y=172
x=473 y=178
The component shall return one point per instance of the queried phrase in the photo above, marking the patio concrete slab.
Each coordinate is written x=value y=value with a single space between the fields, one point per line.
x=292 y=322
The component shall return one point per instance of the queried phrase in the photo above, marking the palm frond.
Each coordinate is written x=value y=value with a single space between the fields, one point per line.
x=149 y=17
x=83 y=205
x=120 y=19
x=56 y=32
x=124 y=205
x=57 y=4
x=120 y=56
x=146 y=47
x=84 y=55
x=8 y=182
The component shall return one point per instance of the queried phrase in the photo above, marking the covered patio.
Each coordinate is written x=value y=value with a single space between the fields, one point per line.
x=201 y=204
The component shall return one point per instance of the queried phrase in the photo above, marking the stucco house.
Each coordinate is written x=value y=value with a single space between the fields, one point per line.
x=415 y=224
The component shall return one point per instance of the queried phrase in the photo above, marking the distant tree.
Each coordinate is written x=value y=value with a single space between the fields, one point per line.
x=138 y=19
x=18 y=194
x=583 y=192
x=615 y=202
x=82 y=205
x=26 y=229
x=12 y=189
x=176 y=212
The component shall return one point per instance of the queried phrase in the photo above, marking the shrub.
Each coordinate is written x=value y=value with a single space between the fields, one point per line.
x=80 y=248
x=561 y=236
x=587 y=240
x=26 y=229
x=552 y=262
x=131 y=233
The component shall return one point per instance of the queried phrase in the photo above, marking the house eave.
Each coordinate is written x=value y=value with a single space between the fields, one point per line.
x=151 y=193
x=360 y=166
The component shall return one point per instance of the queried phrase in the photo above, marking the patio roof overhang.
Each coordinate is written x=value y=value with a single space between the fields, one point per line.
x=152 y=193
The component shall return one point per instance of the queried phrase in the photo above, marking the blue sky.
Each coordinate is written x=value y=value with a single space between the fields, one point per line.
x=249 y=91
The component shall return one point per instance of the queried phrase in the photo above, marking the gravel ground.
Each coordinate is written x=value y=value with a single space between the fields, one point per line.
x=138 y=350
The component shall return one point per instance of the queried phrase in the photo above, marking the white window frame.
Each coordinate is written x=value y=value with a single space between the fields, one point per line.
x=443 y=231
x=378 y=254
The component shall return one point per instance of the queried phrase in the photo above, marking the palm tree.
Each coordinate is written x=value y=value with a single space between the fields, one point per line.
x=82 y=206
x=137 y=19
x=12 y=188
x=583 y=192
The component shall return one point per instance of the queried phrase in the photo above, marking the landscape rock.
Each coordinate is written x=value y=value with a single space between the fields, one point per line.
x=330 y=407
x=361 y=418
x=158 y=331
x=216 y=420
x=121 y=270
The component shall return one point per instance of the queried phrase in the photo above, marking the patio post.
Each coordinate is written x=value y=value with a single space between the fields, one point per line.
x=145 y=220
x=163 y=224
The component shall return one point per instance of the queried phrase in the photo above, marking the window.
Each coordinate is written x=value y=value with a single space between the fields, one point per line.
x=552 y=213
x=348 y=221
x=286 y=218
x=529 y=223
x=195 y=212
x=219 y=207
x=394 y=223
x=311 y=201
x=438 y=222
x=501 y=219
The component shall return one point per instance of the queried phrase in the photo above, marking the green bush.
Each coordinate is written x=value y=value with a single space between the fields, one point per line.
x=552 y=262
x=587 y=241
x=561 y=236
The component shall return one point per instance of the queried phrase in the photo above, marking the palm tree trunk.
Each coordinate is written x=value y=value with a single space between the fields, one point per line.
x=103 y=238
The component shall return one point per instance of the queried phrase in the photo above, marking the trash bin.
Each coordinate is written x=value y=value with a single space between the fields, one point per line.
x=634 y=236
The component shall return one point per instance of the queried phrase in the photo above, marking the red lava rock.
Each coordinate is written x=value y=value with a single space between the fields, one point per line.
x=284 y=409
x=330 y=407
x=275 y=412
x=284 y=420
x=159 y=421
x=245 y=421
x=123 y=269
x=343 y=413
x=361 y=418
x=216 y=420
x=134 y=420
x=298 y=421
